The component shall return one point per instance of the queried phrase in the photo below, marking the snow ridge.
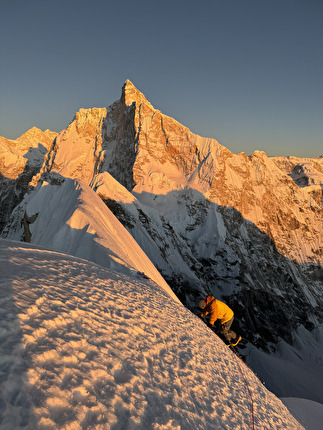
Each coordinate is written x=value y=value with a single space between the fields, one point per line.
x=247 y=229
x=90 y=348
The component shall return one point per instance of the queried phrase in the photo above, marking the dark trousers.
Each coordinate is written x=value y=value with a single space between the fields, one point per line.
x=226 y=332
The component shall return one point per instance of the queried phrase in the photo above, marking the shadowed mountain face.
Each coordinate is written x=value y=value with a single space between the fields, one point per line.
x=20 y=160
x=247 y=229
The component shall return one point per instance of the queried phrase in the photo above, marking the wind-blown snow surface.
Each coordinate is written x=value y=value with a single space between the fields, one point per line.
x=84 y=227
x=82 y=346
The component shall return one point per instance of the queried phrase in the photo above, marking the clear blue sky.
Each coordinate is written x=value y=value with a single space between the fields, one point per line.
x=248 y=73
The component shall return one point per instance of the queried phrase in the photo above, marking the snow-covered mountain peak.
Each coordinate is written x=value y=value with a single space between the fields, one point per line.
x=87 y=120
x=33 y=137
x=130 y=95
x=77 y=148
x=12 y=163
x=149 y=152
x=25 y=153
x=247 y=229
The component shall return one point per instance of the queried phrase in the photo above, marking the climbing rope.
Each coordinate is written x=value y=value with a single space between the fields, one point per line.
x=246 y=384
x=245 y=381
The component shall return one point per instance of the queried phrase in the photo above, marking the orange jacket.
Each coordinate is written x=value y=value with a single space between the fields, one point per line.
x=217 y=310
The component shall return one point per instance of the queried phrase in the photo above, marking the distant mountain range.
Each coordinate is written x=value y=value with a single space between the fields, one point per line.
x=246 y=229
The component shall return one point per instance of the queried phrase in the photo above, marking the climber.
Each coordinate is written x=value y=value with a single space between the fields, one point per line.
x=219 y=311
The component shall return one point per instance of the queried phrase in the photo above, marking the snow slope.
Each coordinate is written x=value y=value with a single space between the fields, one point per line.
x=82 y=347
x=295 y=376
x=84 y=227
x=188 y=211
x=309 y=413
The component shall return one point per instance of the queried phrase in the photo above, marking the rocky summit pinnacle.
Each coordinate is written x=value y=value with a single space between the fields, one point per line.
x=131 y=94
